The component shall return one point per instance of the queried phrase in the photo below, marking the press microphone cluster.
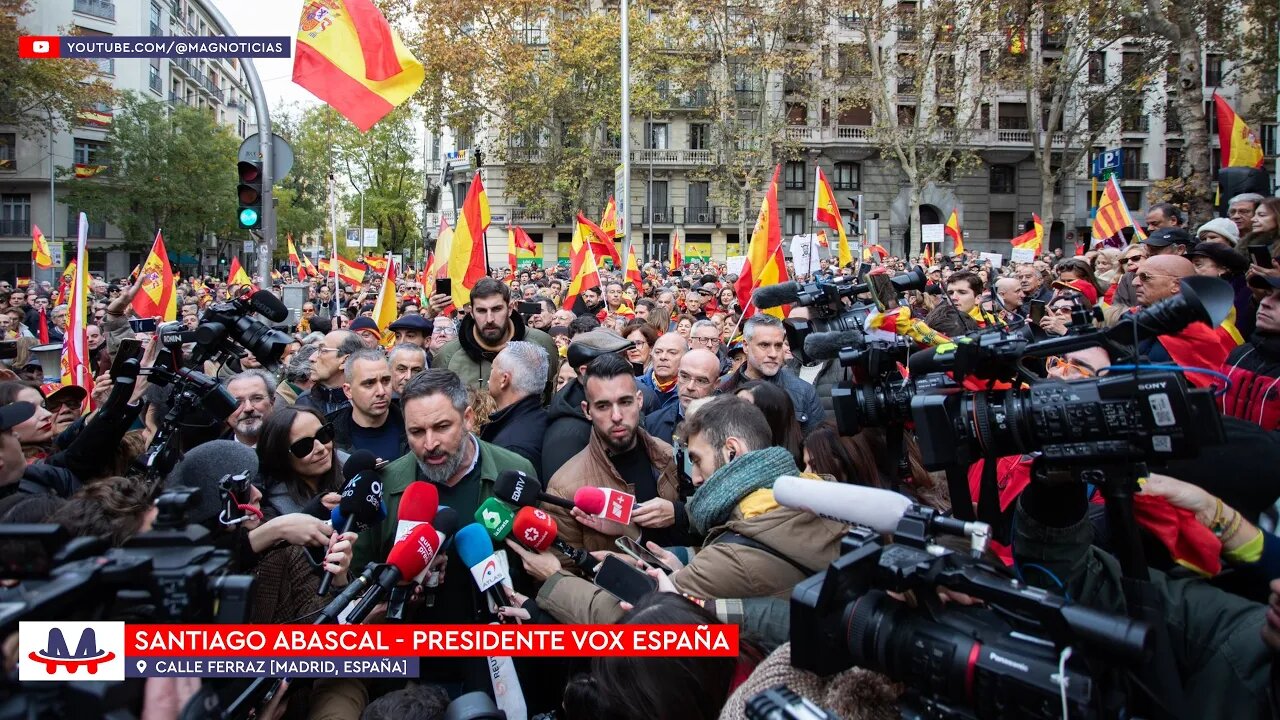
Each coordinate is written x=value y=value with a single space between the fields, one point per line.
x=361 y=506
x=537 y=531
x=475 y=549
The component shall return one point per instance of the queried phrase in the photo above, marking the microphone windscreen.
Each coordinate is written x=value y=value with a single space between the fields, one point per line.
x=589 y=500
x=517 y=488
x=419 y=502
x=473 y=544
x=360 y=461
x=769 y=296
x=878 y=509
x=534 y=529
x=412 y=554
x=203 y=466
x=269 y=306
x=446 y=521
x=827 y=345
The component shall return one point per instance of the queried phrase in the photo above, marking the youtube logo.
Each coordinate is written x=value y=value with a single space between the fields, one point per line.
x=36 y=47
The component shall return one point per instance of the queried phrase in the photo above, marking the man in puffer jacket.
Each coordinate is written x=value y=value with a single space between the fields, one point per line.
x=486 y=331
x=1254 y=368
x=754 y=547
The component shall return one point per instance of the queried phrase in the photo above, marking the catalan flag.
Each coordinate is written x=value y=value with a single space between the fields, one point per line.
x=384 y=311
x=1032 y=239
x=468 y=261
x=764 y=264
x=348 y=56
x=582 y=266
x=1111 y=217
x=75 y=345
x=1240 y=146
x=40 y=249
x=826 y=212
x=157 y=298
x=952 y=230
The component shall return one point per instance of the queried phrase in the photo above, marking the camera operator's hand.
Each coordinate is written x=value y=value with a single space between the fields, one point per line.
x=655 y=513
x=1182 y=495
x=339 y=558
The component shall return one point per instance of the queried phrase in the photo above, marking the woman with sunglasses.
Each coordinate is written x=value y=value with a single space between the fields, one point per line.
x=1123 y=292
x=296 y=460
x=1070 y=295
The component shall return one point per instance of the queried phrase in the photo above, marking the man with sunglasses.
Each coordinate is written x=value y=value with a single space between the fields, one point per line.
x=1196 y=345
x=327 y=395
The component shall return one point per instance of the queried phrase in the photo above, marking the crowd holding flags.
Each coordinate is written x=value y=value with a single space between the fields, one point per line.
x=764 y=264
x=583 y=271
x=826 y=211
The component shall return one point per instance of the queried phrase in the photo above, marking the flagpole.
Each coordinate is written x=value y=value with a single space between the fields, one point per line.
x=333 y=231
x=623 y=219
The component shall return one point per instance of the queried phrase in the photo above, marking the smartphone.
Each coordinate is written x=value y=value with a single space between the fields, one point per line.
x=1037 y=311
x=1261 y=255
x=130 y=348
x=444 y=286
x=142 y=325
x=623 y=581
x=530 y=308
x=641 y=553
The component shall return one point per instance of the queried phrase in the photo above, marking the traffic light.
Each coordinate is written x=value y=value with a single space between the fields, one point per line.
x=249 y=192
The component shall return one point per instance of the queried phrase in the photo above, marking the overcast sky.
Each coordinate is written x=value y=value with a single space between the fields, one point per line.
x=270 y=17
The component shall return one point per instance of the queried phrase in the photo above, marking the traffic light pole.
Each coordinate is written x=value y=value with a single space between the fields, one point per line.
x=266 y=245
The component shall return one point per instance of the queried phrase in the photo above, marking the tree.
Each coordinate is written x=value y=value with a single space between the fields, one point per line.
x=37 y=92
x=167 y=168
x=302 y=195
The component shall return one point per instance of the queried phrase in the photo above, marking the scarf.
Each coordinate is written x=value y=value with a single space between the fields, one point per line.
x=713 y=502
x=664 y=387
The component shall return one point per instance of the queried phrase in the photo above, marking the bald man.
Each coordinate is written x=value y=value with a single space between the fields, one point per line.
x=1196 y=345
x=1157 y=278
x=696 y=378
x=661 y=378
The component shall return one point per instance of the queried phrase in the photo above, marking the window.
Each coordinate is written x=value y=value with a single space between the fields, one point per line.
x=700 y=210
x=984 y=116
x=1173 y=161
x=946 y=74
x=906 y=73
x=460 y=193
x=655 y=136
x=1131 y=67
x=1172 y=123
x=947 y=117
x=97 y=228
x=1131 y=165
x=906 y=115
x=793 y=222
x=1133 y=198
x=8 y=151
x=155 y=20
x=795 y=174
x=1211 y=118
x=984 y=63
x=797 y=114
x=661 y=209
x=1097 y=68
x=1212 y=70
x=852 y=113
x=847 y=176
x=699 y=136
x=88 y=152
x=15 y=214
x=106 y=66
x=1000 y=225
x=153 y=76
x=1013 y=116
x=1004 y=180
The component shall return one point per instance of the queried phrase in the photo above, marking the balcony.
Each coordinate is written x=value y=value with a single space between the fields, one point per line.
x=15 y=227
x=104 y=9
x=849 y=20
x=1135 y=171
x=673 y=157
x=661 y=215
x=523 y=154
x=521 y=215
x=852 y=132
x=748 y=98
x=154 y=82
x=700 y=215
x=1053 y=40
x=1135 y=124
x=906 y=32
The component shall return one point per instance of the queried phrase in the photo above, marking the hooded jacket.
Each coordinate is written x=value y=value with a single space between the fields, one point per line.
x=1254 y=371
x=520 y=428
x=567 y=428
x=472 y=363
x=324 y=400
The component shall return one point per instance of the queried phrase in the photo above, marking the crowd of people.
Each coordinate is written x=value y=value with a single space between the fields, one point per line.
x=674 y=392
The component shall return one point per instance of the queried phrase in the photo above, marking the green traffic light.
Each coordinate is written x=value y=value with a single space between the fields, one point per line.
x=248 y=217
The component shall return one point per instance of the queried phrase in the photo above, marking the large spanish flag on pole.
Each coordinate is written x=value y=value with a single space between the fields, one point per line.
x=75 y=346
x=468 y=260
x=601 y=242
x=350 y=271
x=952 y=230
x=582 y=265
x=348 y=56
x=826 y=211
x=765 y=264
x=157 y=298
x=384 y=312
x=40 y=249
x=1240 y=146
x=295 y=261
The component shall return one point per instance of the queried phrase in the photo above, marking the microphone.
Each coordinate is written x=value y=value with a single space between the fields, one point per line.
x=522 y=490
x=537 y=531
x=419 y=504
x=361 y=501
x=877 y=509
x=609 y=504
x=446 y=524
x=495 y=516
x=407 y=558
x=268 y=306
x=476 y=552
x=827 y=345
x=787 y=293
x=353 y=590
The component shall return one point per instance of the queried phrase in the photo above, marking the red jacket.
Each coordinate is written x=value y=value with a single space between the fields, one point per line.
x=1254 y=370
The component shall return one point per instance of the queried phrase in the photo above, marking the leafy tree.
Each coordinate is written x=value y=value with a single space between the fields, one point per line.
x=302 y=195
x=167 y=168
x=34 y=92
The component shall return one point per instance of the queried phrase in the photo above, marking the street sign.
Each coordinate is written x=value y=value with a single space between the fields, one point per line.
x=1107 y=163
x=370 y=238
x=623 y=203
x=281 y=155
x=353 y=237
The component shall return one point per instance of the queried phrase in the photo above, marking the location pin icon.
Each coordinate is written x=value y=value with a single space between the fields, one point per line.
x=142 y=666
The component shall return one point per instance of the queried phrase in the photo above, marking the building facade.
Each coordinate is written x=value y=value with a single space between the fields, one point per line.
x=27 y=164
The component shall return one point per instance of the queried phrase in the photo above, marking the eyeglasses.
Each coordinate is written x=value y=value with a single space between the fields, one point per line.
x=1061 y=309
x=1145 y=276
x=1055 y=362
x=303 y=447
x=705 y=340
x=1132 y=259
x=688 y=379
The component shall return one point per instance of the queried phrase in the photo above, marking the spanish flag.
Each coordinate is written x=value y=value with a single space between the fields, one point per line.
x=926 y=257
x=237 y=275
x=952 y=230
x=295 y=261
x=384 y=312
x=826 y=212
x=75 y=344
x=1033 y=238
x=376 y=264
x=633 y=269
x=348 y=56
x=876 y=250
x=307 y=269
x=582 y=266
x=519 y=241
x=468 y=261
x=677 y=255
x=350 y=271
x=83 y=171
x=1240 y=146
x=609 y=221
x=157 y=298
x=602 y=243
x=40 y=249
x=764 y=264
x=64 y=283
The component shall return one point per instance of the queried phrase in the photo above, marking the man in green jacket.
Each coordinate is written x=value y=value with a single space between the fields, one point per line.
x=486 y=331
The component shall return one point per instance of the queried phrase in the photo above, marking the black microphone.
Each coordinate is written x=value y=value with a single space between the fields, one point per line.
x=352 y=591
x=787 y=293
x=268 y=306
x=517 y=488
x=827 y=345
x=446 y=524
x=361 y=499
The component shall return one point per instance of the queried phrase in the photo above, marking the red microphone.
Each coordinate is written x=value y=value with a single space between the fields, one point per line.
x=419 y=504
x=407 y=558
x=609 y=504
x=536 y=530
